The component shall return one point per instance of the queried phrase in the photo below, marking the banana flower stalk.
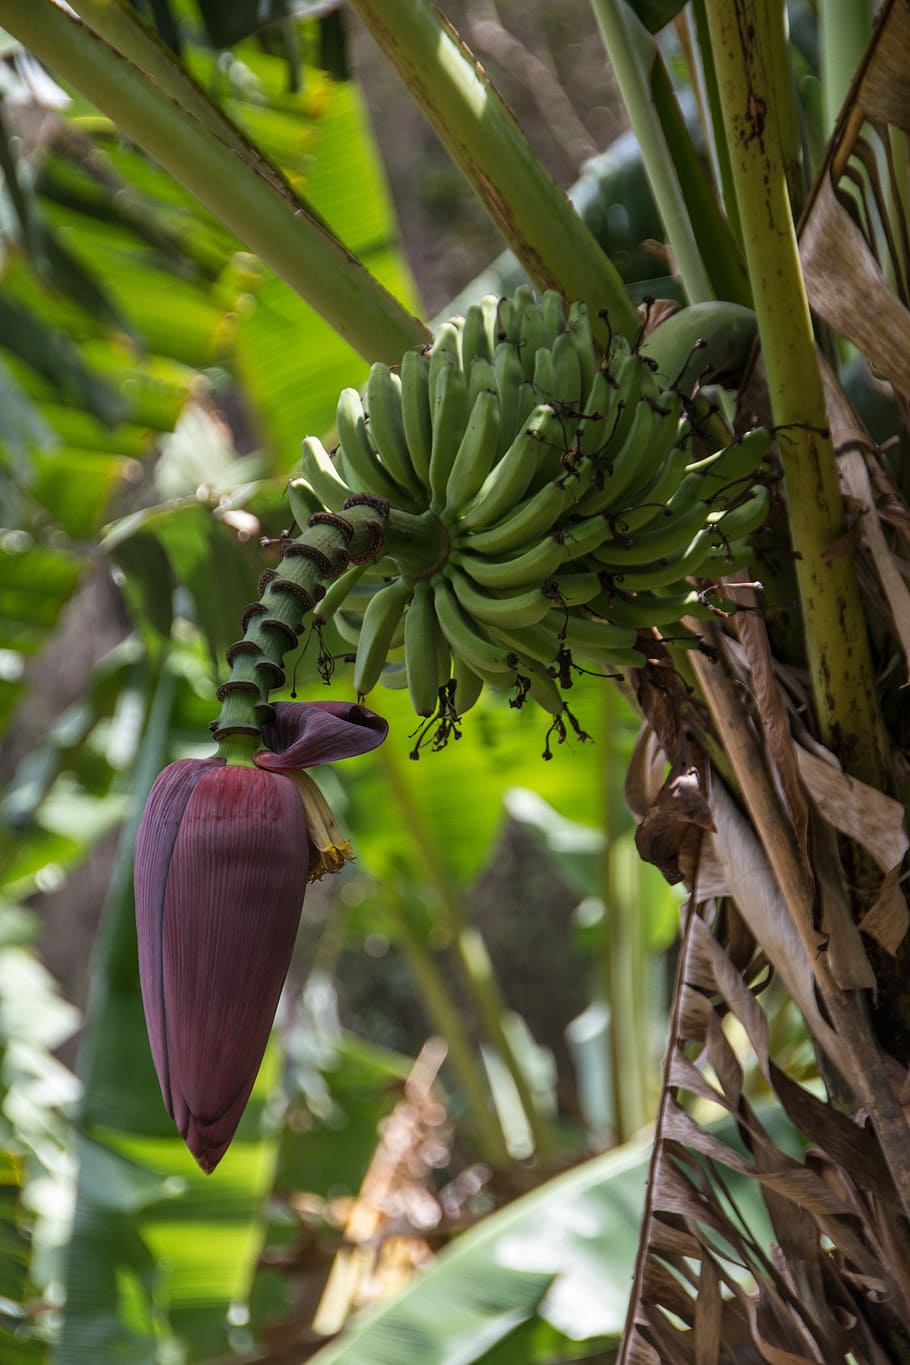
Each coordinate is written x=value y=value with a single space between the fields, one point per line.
x=223 y=856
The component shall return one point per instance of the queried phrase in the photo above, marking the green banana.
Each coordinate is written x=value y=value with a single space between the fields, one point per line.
x=729 y=330
x=473 y=336
x=474 y=456
x=480 y=376
x=667 y=571
x=589 y=632
x=509 y=379
x=580 y=538
x=337 y=592
x=544 y=376
x=450 y=413
x=359 y=455
x=532 y=518
x=567 y=377
x=578 y=327
x=320 y=473
x=573 y=589
x=421 y=650
x=649 y=609
x=531 y=338
x=416 y=415
x=508 y=480
x=445 y=352
x=468 y=685
x=387 y=426
x=745 y=517
x=553 y=313
x=639 y=455
x=467 y=641
x=600 y=408
x=493 y=329
x=736 y=461
x=533 y=566
x=529 y=642
x=649 y=504
x=651 y=546
x=380 y=620
x=521 y=609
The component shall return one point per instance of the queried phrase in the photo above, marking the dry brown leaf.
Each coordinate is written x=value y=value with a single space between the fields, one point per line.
x=773 y=717
x=672 y=828
x=850 y=966
x=869 y=817
x=770 y=920
x=854 y=476
x=888 y=919
x=646 y=771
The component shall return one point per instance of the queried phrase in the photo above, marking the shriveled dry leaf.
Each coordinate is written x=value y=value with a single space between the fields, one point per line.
x=845 y=283
x=888 y=919
x=645 y=774
x=869 y=817
x=772 y=715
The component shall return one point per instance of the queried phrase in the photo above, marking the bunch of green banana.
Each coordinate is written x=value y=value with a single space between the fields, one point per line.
x=567 y=492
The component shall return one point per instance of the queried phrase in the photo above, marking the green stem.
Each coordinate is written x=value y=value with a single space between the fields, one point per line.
x=719 y=141
x=447 y=1022
x=481 y=134
x=843 y=685
x=228 y=176
x=272 y=625
x=632 y=51
x=470 y=952
x=843 y=32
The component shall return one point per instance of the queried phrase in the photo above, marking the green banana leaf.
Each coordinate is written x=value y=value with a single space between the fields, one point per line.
x=543 y=1280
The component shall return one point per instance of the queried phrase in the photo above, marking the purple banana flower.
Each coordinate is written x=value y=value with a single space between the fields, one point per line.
x=223 y=856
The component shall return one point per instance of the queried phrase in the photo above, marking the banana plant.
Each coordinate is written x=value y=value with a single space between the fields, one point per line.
x=559 y=480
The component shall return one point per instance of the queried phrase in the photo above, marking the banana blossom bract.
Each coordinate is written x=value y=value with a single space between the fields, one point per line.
x=223 y=856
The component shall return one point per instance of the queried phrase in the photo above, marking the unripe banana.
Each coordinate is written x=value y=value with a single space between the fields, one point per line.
x=467 y=640
x=387 y=427
x=600 y=407
x=303 y=502
x=537 y=563
x=531 y=338
x=554 y=315
x=320 y=473
x=474 y=337
x=382 y=616
x=638 y=457
x=450 y=413
x=508 y=480
x=416 y=414
x=590 y=632
x=481 y=376
x=445 y=352
x=532 y=518
x=359 y=455
x=573 y=589
x=475 y=455
x=509 y=379
x=519 y=609
x=746 y=517
x=494 y=331
x=422 y=651
x=567 y=377
x=544 y=380
x=667 y=571
x=736 y=461
x=649 y=609
x=337 y=592
x=468 y=685
x=728 y=328
x=578 y=327
x=652 y=546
